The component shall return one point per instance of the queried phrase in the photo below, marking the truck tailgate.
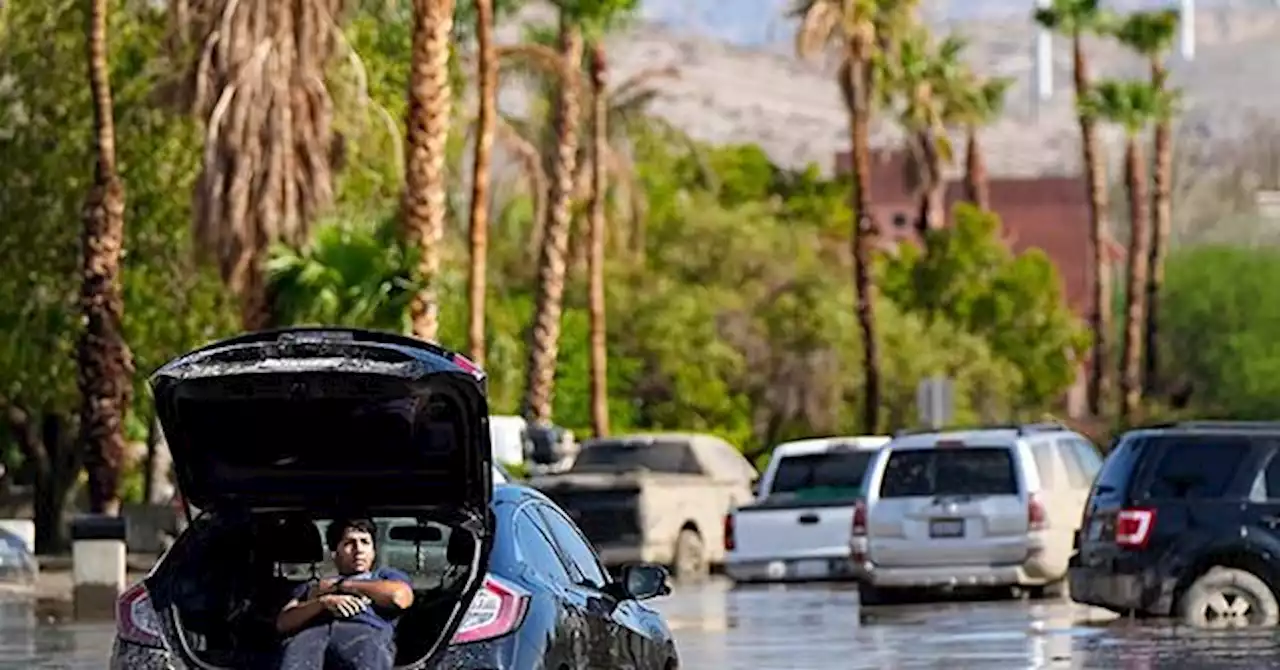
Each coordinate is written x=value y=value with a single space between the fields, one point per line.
x=808 y=530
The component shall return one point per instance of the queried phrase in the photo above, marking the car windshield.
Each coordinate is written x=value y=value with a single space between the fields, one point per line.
x=952 y=471
x=831 y=474
x=667 y=456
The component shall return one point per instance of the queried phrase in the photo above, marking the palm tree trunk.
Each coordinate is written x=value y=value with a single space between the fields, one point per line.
x=977 y=186
x=864 y=237
x=595 y=259
x=1096 y=175
x=1135 y=169
x=105 y=363
x=488 y=116
x=933 y=199
x=430 y=100
x=545 y=334
x=1162 y=223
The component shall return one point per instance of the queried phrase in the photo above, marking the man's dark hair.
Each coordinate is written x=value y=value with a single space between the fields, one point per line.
x=333 y=534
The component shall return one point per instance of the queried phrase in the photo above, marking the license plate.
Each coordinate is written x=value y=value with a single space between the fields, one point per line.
x=946 y=528
x=810 y=569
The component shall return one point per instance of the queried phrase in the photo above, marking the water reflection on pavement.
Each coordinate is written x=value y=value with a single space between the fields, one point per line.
x=776 y=627
x=810 y=627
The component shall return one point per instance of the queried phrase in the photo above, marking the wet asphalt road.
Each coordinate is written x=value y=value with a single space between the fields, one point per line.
x=814 y=628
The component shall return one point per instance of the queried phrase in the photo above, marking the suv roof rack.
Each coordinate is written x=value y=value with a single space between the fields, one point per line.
x=1211 y=424
x=1020 y=428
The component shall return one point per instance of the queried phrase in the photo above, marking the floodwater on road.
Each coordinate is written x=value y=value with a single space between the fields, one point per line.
x=810 y=627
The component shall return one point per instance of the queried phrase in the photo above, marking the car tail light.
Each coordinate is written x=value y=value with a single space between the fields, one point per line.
x=859 y=528
x=136 y=618
x=1133 y=526
x=730 y=542
x=497 y=609
x=1037 y=518
x=468 y=366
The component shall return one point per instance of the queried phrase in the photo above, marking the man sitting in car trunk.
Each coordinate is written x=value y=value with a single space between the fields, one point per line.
x=348 y=621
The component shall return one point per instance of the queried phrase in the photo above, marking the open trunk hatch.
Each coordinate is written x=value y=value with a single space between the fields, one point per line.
x=326 y=418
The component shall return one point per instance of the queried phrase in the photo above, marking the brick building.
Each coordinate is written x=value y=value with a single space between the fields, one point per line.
x=1048 y=213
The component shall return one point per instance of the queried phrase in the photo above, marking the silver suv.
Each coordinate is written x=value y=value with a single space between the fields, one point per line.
x=992 y=507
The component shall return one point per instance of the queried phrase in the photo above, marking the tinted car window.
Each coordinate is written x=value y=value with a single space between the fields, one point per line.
x=1113 y=478
x=1199 y=466
x=574 y=547
x=626 y=456
x=951 y=471
x=833 y=473
x=536 y=549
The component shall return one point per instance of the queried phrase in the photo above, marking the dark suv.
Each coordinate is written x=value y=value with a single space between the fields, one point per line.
x=1184 y=520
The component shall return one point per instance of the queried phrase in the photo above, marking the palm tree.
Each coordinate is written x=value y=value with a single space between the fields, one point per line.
x=1076 y=19
x=430 y=103
x=1133 y=106
x=257 y=81
x=978 y=104
x=545 y=334
x=1152 y=34
x=920 y=79
x=859 y=29
x=487 y=74
x=105 y=362
x=595 y=236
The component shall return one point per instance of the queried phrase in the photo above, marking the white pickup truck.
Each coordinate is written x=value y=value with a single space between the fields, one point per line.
x=799 y=524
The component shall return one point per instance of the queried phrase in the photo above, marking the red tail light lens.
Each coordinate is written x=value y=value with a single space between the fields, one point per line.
x=136 y=618
x=1037 y=517
x=468 y=366
x=730 y=542
x=859 y=528
x=497 y=609
x=1133 y=527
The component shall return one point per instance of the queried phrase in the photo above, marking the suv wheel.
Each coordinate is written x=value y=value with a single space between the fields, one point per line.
x=690 y=562
x=1229 y=598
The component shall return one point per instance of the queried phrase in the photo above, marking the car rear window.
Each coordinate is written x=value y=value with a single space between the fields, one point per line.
x=1193 y=466
x=958 y=471
x=674 y=457
x=830 y=474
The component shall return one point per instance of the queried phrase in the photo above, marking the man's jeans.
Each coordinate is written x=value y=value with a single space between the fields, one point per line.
x=341 y=645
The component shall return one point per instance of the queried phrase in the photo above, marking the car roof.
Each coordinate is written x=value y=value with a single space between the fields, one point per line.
x=818 y=445
x=1208 y=427
x=995 y=437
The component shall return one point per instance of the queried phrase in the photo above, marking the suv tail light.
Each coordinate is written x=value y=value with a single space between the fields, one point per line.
x=497 y=609
x=1037 y=518
x=1133 y=526
x=859 y=528
x=730 y=542
x=136 y=618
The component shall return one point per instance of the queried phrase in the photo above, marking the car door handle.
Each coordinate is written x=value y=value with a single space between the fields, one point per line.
x=1271 y=521
x=808 y=519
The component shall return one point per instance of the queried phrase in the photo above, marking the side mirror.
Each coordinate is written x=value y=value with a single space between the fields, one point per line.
x=643 y=581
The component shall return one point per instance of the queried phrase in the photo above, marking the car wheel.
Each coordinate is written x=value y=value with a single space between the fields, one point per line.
x=690 y=561
x=1229 y=598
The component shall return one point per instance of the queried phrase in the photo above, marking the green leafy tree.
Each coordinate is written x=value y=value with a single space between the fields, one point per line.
x=965 y=275
x=1220 y=317
x=170 y=303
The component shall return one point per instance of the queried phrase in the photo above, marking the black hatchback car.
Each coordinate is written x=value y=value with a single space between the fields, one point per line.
x=1184 y=520
x=275 y=433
